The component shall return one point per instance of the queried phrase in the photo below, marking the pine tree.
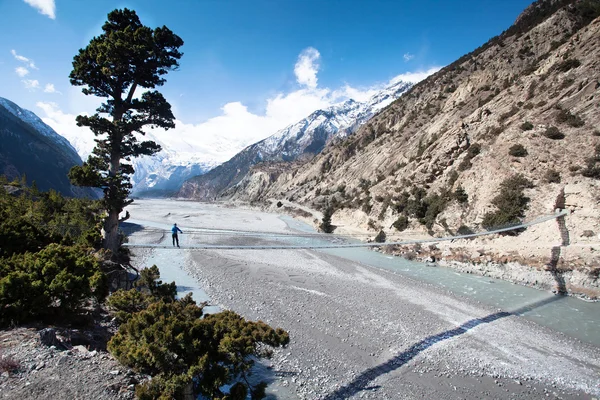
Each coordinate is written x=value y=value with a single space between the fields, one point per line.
x=326 y=221
x=125 y=57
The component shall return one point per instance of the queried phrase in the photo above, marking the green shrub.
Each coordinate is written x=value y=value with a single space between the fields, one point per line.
x=473 y=151
x=517 y=150
x=460 y=195
x=187 y=353
x=564 y=116
x=401 y=223
x=326 y=221
x=510 y=203
x=464 y=230
x=592 y=169
x=381 y=236
x=553 y=133
x=552 y=176
x=53 y=282
x=526 y=126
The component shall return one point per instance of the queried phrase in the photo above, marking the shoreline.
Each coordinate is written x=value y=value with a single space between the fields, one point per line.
x=576 y=275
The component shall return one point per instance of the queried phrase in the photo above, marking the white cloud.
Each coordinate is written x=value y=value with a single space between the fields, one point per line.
x=44 y=7
x=49 y=88
x=31 y=84
x=21 y=71
x=414 y=77
x=23 y=59
x=307 y=66
x=408 y=57
x=221 y=137
x=64 y=124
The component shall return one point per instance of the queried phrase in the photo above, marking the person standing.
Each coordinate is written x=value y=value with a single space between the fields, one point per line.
x=174 y=230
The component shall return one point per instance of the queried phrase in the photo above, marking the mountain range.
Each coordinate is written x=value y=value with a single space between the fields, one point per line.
x=304 y=139
x=29 y=147
x=506 y=133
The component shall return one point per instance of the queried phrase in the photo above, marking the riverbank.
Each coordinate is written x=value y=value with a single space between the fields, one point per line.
x=362 y=332
x=358 y=331
x=546 y=256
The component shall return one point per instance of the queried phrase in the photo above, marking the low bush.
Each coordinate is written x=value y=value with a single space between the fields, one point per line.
x=526 y=126
x=401 y=223
x=187 y=353
x=517 y=150
x=460 y=195
x=565 y=117
x=553 y=133
x=552 y=176
x=54 y=282
x=464 y=230
x=592 y=169
x=510 y=203
x=381 y=236
x=568 y=64
x=473 y=151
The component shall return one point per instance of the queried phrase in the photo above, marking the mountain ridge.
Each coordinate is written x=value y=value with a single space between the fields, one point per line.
x=304 y=138
x=30 y=147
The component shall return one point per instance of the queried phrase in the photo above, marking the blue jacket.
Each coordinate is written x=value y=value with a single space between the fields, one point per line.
x=174 y=229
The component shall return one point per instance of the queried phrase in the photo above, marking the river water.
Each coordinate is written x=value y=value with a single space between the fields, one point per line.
x=571 y=316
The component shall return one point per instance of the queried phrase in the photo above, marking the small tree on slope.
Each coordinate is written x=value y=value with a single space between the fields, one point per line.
x=125 y=57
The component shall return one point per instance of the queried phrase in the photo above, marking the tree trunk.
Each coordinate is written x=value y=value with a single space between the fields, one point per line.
x=111 y=231
x=111 y=224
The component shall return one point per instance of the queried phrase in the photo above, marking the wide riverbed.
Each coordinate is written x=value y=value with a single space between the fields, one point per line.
x=358 y=318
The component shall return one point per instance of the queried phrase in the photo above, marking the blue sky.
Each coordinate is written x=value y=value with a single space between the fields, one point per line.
x=262 y=63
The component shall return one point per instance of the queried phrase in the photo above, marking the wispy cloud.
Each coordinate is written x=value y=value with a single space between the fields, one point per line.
x=408 y=57
x=45 y=7
x=49 y=88
x=31 y=84
x=416 y=76
x=21 y=71
x=307 y=67
x=23 y=59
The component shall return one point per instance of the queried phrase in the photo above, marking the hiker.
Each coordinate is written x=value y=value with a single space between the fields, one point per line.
x=174 y=230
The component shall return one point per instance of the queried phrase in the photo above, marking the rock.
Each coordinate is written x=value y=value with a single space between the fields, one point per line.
x=81 y=350
x=48 y=337
x=115 y=372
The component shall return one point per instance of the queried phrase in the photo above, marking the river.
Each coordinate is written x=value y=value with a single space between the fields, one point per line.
x=570 y=316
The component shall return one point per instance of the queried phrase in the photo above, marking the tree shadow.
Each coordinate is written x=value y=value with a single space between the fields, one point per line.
x=129 y=228
x=362 y=381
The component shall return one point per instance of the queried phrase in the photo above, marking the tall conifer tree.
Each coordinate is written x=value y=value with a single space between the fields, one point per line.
x=126 y=57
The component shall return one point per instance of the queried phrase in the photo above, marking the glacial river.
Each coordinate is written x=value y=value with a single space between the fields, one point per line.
x=571 y=316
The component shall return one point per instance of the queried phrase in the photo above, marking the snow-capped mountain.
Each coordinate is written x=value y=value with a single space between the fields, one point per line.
x=29 y=147
x=157 y=175
x=307 y=136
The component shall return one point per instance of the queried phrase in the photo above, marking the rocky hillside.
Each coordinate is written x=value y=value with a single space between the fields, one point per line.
x=29 y=147
x=509 y=131
x=301 y=140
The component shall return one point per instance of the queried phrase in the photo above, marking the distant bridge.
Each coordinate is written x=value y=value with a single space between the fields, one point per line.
x=206 y=239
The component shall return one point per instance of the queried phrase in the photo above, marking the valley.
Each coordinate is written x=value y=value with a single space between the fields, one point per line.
x=363 y=328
